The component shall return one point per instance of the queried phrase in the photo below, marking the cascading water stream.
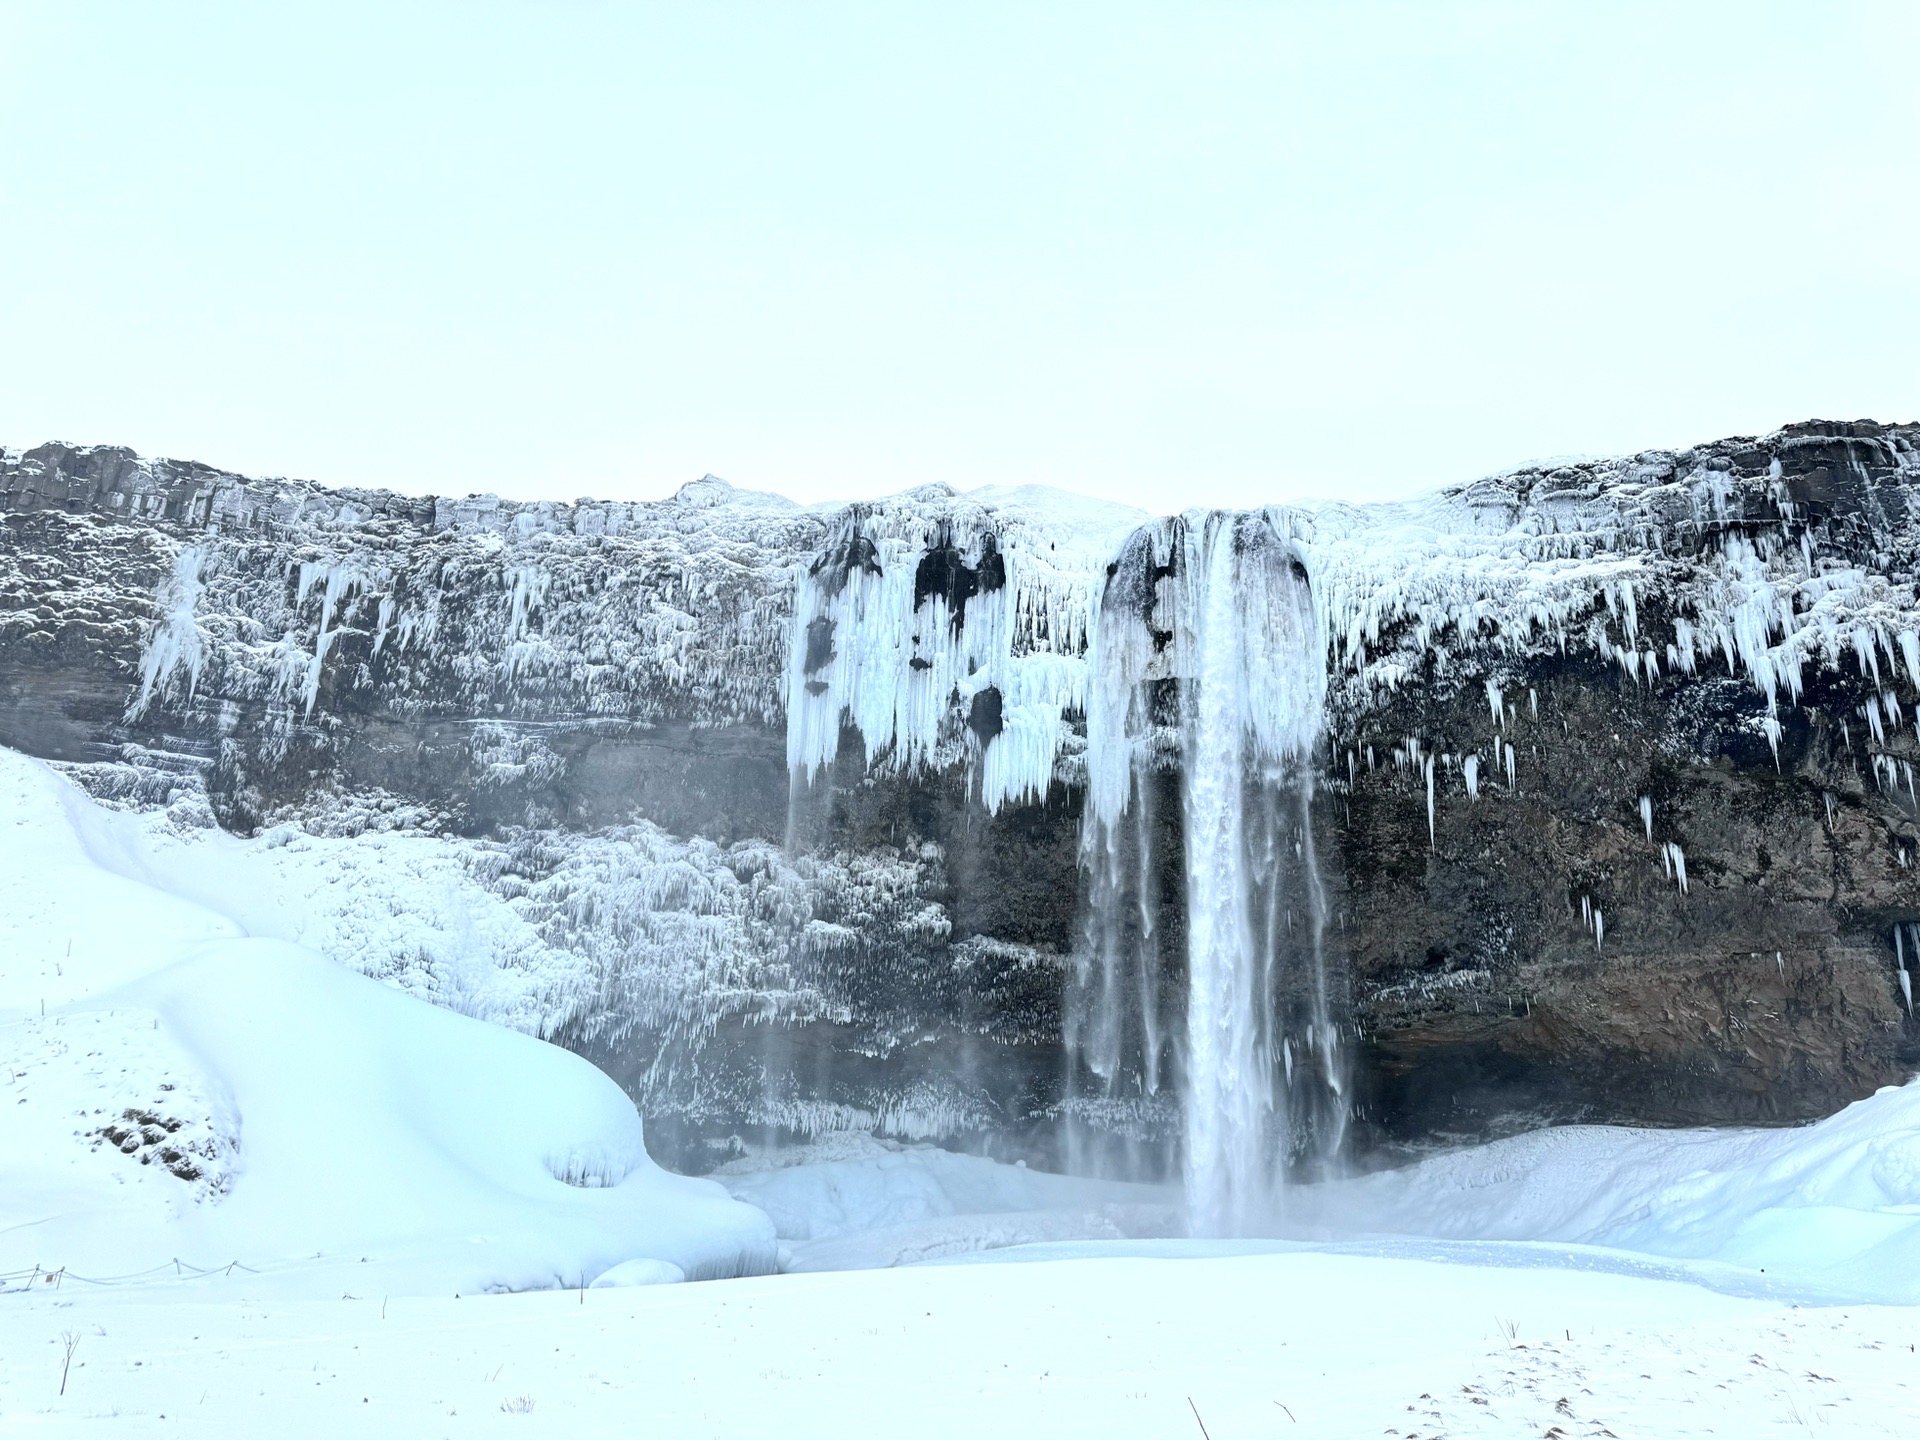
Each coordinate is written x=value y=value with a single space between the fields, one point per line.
x=1229 y=1080
x=1207 y=647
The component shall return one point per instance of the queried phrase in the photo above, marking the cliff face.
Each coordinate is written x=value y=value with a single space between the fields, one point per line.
x=1613 y=796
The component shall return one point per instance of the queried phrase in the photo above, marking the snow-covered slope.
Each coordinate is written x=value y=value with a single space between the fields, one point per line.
x=180 y=1092
x=1832 y=1207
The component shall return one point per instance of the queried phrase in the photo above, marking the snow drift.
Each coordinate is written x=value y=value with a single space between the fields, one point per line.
x=178 y=1093
x=1832 y=1207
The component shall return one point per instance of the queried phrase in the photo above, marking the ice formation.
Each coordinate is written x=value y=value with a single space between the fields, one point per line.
x=175 y=644
x=942 y=630
x=948 y=630
x=705 y=603
x=1905 y=977
x=627 y=936
x=1673 y=860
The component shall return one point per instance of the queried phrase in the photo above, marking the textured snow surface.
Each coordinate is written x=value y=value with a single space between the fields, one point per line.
x=178 y=1089
x=1320 y=1346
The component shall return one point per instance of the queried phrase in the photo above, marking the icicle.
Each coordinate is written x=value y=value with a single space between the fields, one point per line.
x=1827 y=795
x=1533 y=701
x=1352 y=769
x=1675 y=860
x=1646 y=815
x=1510 y=767
x=1493 y=702
x=175 y=642
x=1770 y=725
x=1431 y=838
x=1781 y=963
x=1599 y=930
x=1899 y=947
x=1906 y=992
x=1682 y=656
x=1370 y=760
x=386 y=619
x=1868 y=652
x=1872 y=711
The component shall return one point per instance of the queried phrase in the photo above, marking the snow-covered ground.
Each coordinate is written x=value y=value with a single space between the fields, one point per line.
x=1309 y=1345
x=244 y=1187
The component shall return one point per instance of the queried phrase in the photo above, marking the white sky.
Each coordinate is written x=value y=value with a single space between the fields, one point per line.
x=1172 y=254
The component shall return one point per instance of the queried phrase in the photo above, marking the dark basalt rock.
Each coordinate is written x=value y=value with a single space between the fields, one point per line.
x=984 y=714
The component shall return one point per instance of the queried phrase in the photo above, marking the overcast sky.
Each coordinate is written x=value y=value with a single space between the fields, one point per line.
x=1172 y=253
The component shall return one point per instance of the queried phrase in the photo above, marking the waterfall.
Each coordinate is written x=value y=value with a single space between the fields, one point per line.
x=1207 y=651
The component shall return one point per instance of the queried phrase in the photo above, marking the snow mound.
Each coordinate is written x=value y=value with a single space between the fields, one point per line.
x=867 y=1184
x=856 y=1202
x=1834 y=1205
x=633 y=1273
x=181 y=1094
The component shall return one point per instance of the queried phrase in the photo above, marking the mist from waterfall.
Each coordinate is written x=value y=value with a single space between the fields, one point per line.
x=1207 y=659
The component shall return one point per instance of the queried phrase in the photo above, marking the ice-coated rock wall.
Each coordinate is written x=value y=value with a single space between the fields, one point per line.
x=1612 y=785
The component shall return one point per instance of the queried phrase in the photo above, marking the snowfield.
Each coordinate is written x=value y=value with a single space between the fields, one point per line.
x=1329 y=1347
x=246 y=1188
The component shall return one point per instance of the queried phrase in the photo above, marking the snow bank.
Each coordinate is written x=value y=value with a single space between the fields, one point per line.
x=173 y=1089
x=1834 y=1205
x=1829 y=1210
x=853 y=1201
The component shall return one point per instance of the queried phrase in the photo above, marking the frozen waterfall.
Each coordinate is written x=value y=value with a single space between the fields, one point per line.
x=1207 y=651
